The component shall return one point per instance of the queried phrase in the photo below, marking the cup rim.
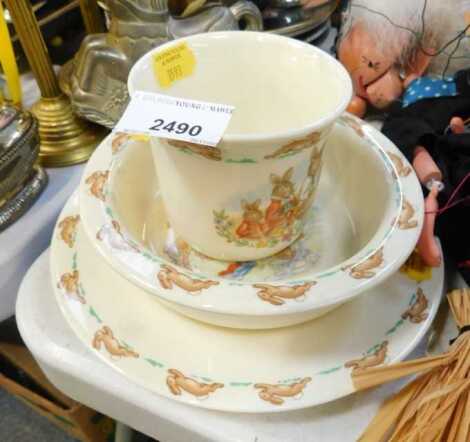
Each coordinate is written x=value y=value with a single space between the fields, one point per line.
x=269 y=136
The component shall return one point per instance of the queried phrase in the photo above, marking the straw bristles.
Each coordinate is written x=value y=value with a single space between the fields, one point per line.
x=436 y=405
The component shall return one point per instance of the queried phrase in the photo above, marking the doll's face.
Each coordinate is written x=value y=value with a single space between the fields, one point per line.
x=385 y=90
x=372 y=71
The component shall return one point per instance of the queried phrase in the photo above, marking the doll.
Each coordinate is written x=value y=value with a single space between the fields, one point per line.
x=386 y=45
x=430 y=130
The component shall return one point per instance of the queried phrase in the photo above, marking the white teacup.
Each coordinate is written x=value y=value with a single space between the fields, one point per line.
x=246 y=198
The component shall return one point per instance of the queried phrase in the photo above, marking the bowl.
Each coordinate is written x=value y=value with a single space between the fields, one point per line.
x=362 y=227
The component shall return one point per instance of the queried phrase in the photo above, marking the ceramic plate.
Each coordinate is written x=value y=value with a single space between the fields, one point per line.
x=226 y=369
x=354 y=237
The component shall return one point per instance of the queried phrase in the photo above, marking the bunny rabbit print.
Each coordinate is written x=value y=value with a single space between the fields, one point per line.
x=266 y=224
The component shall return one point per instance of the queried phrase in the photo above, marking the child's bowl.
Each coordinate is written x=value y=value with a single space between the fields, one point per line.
x=363 y=226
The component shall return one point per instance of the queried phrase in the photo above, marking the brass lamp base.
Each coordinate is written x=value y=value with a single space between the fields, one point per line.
x=64 y=138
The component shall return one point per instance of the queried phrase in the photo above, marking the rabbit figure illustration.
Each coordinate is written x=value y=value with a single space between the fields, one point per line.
x=280 y=213
x=251 y=226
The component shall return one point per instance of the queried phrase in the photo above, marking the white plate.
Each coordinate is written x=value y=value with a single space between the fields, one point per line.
x=353 y=239
x=151 y=344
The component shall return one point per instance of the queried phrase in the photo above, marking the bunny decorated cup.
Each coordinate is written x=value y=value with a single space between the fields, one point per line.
x=246 y=198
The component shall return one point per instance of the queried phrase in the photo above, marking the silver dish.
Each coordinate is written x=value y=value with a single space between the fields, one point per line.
x=295 y=21
x=17 y=206
x=21 y=181
x=19 y=148
x=284 y=3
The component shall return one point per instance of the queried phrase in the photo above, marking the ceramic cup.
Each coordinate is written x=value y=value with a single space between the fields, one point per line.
x=246 y=198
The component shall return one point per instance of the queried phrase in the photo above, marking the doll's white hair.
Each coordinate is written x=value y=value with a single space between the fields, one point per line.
x=397 y=27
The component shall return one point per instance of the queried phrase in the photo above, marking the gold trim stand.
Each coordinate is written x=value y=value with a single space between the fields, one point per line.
x=65 y=139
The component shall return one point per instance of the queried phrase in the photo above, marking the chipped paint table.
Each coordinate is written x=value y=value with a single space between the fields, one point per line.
x=79 y=373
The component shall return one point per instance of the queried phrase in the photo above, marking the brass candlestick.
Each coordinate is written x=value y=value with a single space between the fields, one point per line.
x=91 y=16
x=65 y=139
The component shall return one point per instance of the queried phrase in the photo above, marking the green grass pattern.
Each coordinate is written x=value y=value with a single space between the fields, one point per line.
x=330 y=370
x=242 y=161
x=93 y=313
x=154 y=363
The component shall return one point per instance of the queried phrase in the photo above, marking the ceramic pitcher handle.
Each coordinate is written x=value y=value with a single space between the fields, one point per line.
x=249 y=12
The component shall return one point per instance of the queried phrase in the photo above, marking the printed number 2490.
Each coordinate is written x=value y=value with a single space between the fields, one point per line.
x=174 y=126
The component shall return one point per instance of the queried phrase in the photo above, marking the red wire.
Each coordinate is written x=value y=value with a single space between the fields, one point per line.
x=450 y=202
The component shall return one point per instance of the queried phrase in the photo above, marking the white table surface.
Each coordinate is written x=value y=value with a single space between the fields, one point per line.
x=74 y=369
x=28 y=237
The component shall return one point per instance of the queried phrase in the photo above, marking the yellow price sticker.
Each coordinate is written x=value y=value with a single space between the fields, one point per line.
x=174 y=64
